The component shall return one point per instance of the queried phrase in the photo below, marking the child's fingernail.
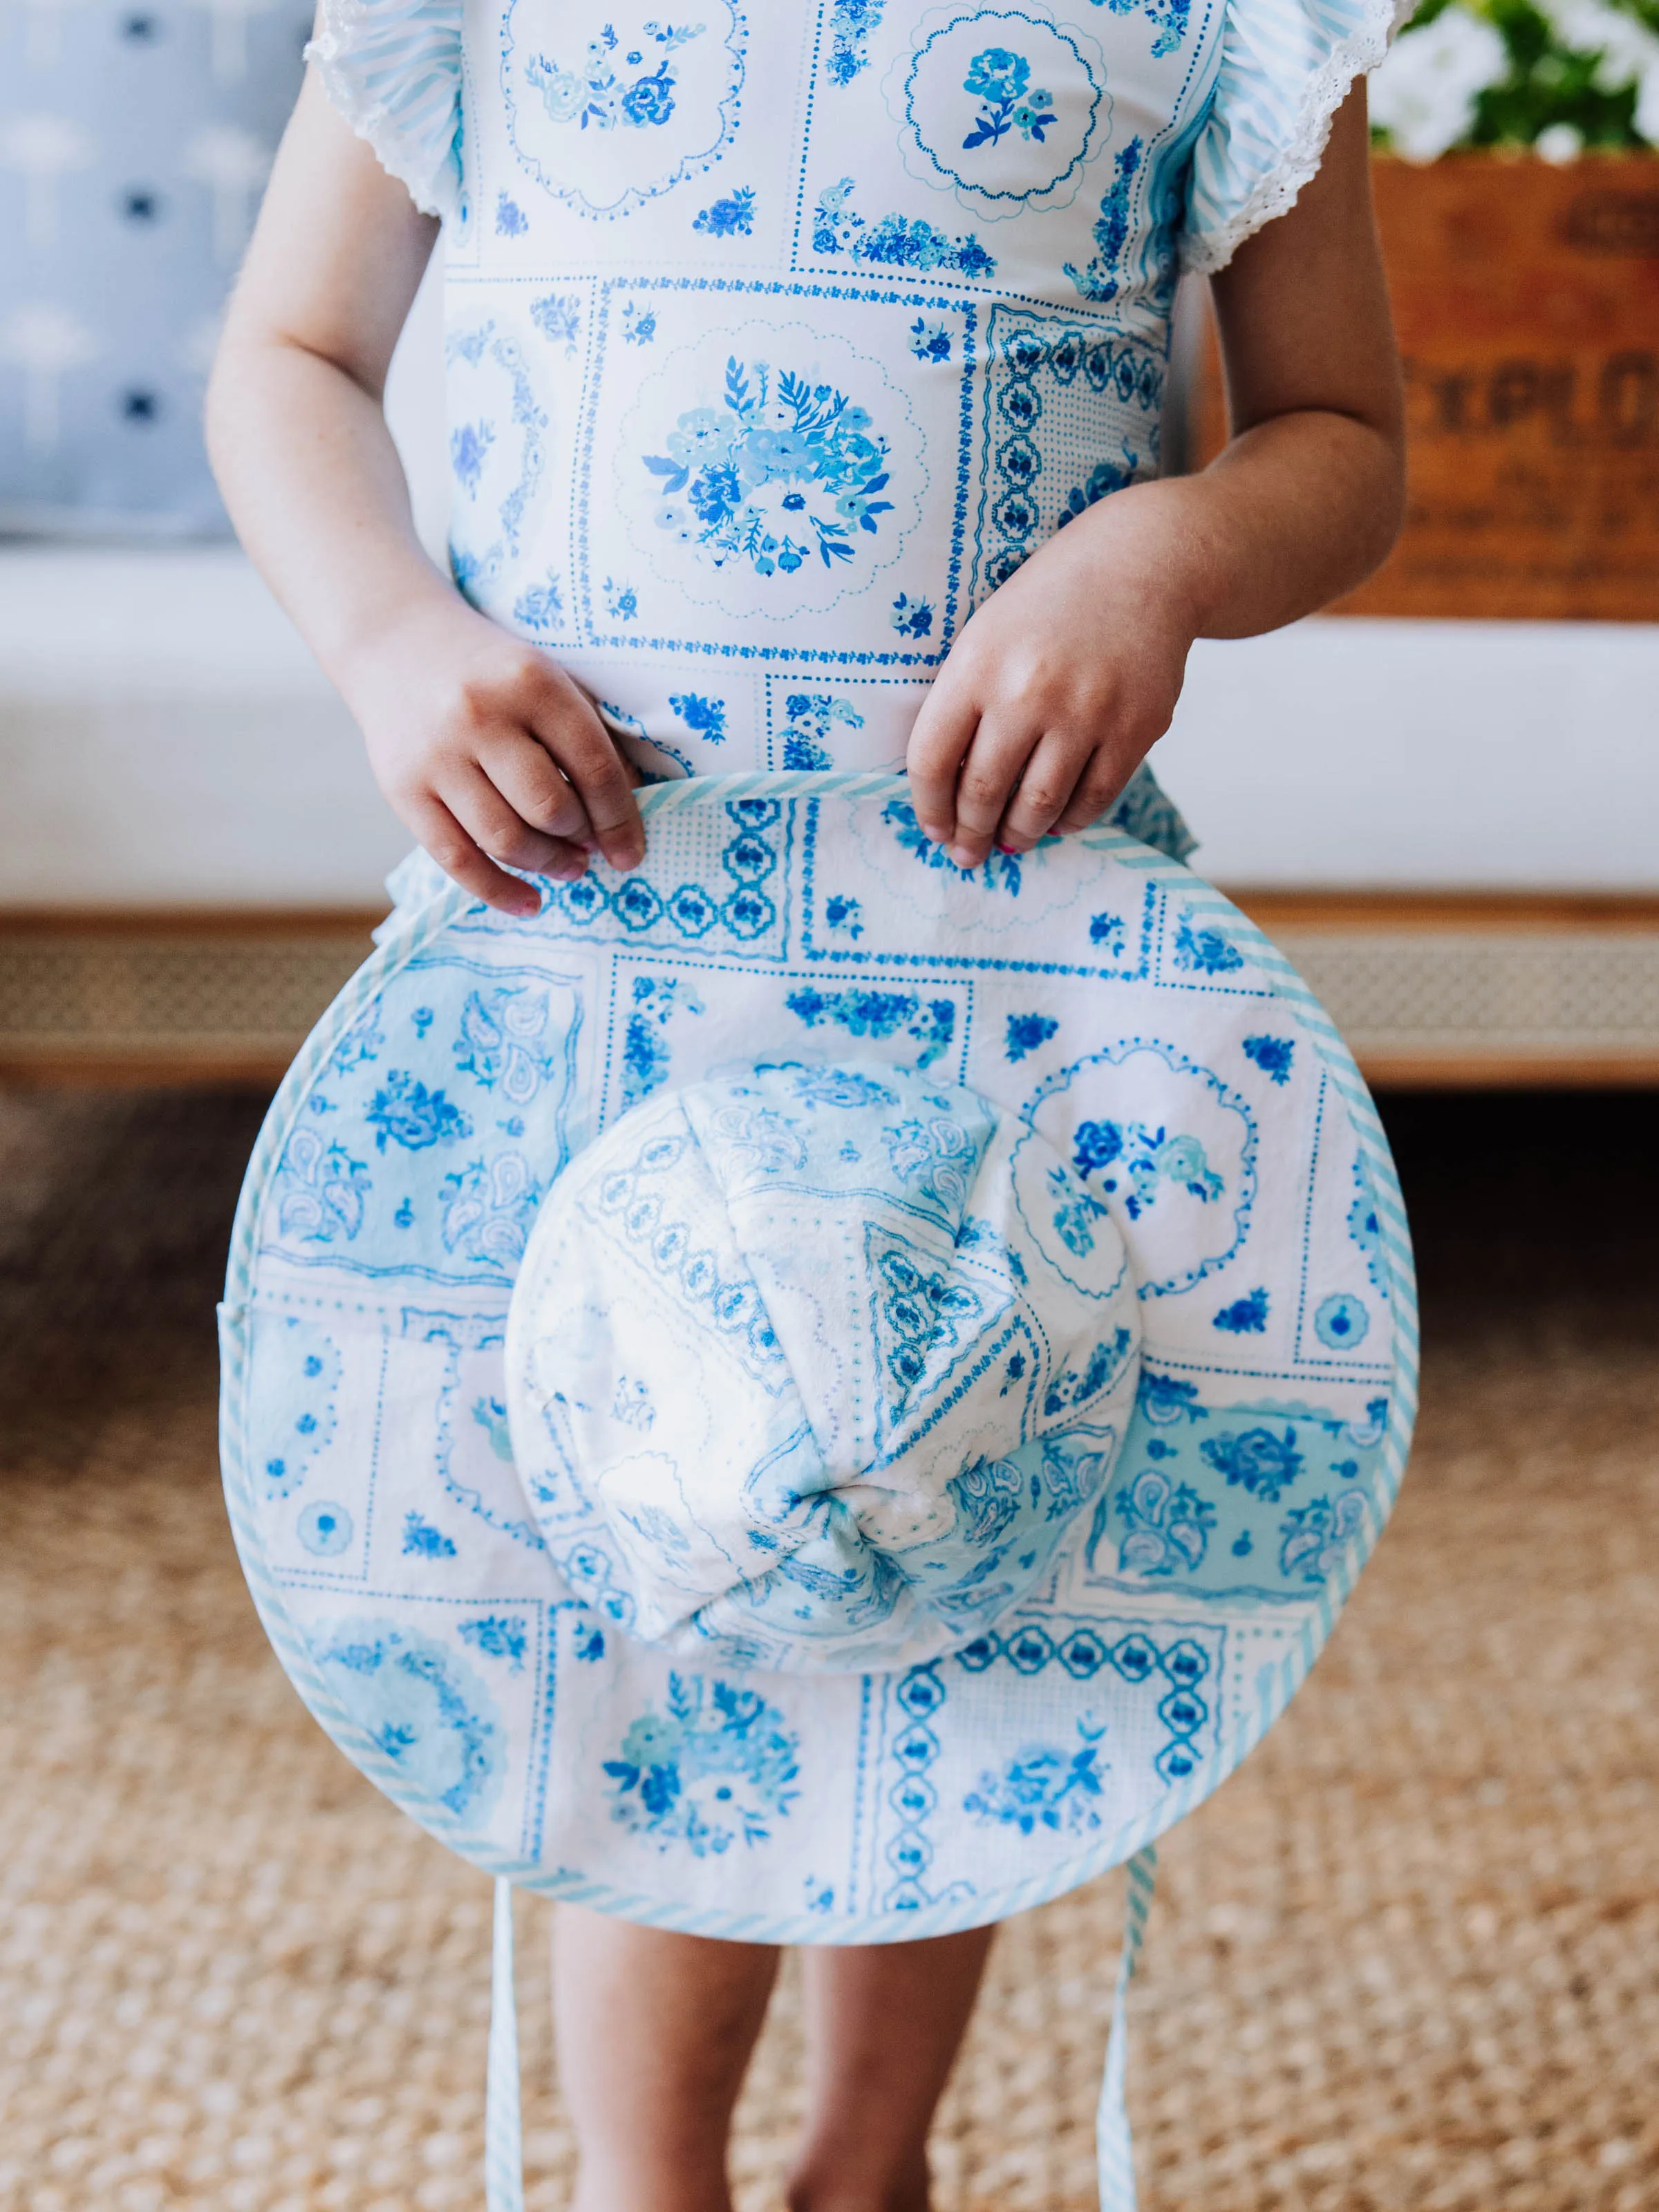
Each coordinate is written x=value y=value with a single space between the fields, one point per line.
x=963 y=857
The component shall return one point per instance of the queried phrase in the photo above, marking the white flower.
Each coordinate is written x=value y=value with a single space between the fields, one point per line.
x=1558 y=144
x=1628 y=49
x=1646 y=118
x=1425 y=93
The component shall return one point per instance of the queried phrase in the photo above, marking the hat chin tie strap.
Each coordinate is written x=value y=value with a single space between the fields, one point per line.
x=503 y=2139
x=1113 y=2148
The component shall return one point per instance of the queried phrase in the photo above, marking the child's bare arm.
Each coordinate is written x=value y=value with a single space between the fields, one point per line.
x=487 y=750
x=1063 y=680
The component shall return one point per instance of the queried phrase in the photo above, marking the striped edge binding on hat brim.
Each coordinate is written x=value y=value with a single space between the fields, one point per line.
x=1275 y=1685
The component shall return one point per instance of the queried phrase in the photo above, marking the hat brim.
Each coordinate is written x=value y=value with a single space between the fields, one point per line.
x=1257 y=1474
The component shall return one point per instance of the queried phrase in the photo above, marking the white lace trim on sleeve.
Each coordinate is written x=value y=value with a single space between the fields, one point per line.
x=1286 y=67
x=393 y=69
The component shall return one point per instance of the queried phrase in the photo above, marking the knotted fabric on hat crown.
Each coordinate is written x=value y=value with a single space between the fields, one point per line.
x=837 y=1355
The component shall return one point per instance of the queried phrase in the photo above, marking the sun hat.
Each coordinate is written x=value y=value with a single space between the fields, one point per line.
x=806 y=1394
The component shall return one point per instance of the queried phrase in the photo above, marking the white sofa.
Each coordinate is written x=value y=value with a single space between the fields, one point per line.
x=167 y=747
x=167 y=741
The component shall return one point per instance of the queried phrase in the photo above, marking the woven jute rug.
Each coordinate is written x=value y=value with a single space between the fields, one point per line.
x=1407 y=1957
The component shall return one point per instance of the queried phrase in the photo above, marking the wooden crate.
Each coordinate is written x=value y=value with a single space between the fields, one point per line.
x=1527 y=301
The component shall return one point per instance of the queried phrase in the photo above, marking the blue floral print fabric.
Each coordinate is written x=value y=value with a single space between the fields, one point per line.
x=773 y=353
x=803 y=1392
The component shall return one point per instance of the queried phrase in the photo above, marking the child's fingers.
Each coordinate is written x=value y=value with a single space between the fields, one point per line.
x=528 y=778
x=499 y=834
x=995 y=761
x=939 y=740
x=460 y=859
x=1046 y=788
x=568 y=726
x=503 y=839
x=1096 y=789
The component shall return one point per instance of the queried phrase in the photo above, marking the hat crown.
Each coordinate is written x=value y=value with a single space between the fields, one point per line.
x=793 y=1370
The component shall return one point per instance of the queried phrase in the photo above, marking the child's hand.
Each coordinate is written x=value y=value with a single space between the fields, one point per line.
x=1057 y=687
x=490 y=754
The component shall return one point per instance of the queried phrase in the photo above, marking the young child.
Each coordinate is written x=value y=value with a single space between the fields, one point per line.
x=760 y=463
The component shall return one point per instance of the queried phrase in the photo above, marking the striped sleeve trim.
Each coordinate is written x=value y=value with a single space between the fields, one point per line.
x=393 y=69
x=1286 y=66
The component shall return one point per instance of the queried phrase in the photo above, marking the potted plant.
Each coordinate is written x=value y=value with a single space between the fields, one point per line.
x=1517 y=191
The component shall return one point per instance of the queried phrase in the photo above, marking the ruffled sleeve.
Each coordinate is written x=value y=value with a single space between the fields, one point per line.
x=1286 y=67
x=393 y=69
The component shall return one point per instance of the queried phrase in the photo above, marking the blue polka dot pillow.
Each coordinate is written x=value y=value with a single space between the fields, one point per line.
x=135 y=140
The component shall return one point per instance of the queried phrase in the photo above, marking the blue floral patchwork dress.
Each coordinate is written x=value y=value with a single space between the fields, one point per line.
x=773 y=350
x=774 y=346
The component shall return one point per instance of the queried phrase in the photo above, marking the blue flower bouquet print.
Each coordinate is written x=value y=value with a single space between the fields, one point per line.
x=651 y=101
x=612 y=89
x=1004 y=108
x=998 y=79
x=715 y=1769
x=782 y=456
x=780 y=489
x=1043 y=1785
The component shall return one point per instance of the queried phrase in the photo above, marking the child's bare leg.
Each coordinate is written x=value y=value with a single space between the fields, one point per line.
x=882 y=2024
x=654 y=2031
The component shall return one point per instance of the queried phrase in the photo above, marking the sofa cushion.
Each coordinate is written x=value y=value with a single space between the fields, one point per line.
x=134 y=143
